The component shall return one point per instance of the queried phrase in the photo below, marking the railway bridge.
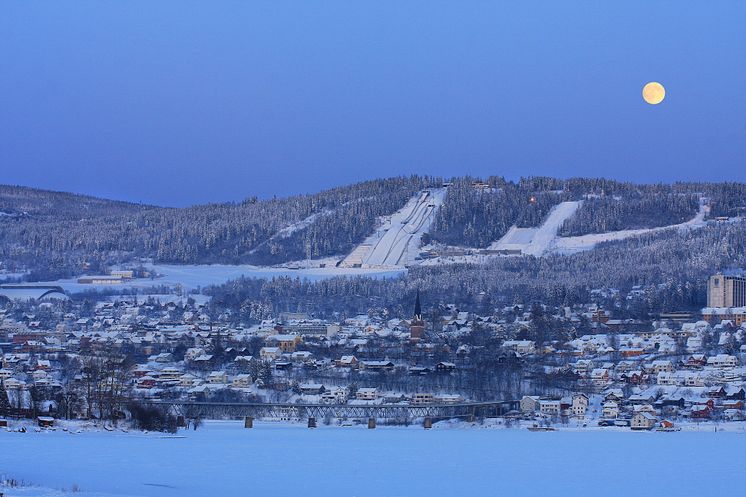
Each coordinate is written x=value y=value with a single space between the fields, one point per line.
x=285 y=411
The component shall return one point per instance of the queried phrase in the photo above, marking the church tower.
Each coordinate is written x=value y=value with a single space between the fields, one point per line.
x=417 y=326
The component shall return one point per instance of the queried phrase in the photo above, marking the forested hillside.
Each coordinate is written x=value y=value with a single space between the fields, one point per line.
x=53 y=233
x=670 y=268
x=20 y=201
x=225 y=233
x=639 y=209
x=476 y=213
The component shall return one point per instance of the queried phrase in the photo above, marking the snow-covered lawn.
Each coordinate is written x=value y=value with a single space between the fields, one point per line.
x=223 y=459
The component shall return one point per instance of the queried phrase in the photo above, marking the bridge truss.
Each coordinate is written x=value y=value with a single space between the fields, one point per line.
x=236 y=410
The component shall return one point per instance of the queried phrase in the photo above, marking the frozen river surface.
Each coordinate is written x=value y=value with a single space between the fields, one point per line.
x=222 y=459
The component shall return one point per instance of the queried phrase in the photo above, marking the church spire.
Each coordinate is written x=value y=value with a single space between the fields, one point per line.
x=417 y=308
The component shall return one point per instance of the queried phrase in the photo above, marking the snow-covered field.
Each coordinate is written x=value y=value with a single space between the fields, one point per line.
x=222 y=459
x=515 y=239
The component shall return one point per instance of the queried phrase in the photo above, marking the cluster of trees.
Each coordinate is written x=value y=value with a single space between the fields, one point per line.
x=92 y=386
x=726 y=199
x=644 y=208
x=152 y=418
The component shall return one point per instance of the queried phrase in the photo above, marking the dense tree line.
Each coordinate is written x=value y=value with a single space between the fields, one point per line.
x=642 y=209
x=726 y=199
x=670 y=268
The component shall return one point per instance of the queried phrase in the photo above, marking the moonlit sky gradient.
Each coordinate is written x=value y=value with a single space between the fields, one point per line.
x=175 y=102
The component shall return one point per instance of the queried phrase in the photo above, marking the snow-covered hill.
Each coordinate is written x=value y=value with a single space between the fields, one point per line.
x=396 y=242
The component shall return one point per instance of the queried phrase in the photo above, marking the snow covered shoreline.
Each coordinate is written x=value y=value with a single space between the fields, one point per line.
x=75 y=427
x=222 y=458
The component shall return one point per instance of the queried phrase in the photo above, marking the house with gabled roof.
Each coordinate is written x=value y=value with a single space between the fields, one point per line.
x=643 y=420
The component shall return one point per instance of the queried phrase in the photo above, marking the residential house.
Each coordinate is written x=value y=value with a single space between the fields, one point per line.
x=286 y=343
x=579 y=405
x=550 y=407
x=661 y=366
x=366 y=394
x=270 y=353
x=693 y=379
x=723 y=361
x=336 y=395
x=422 y=399
x=696 y=361
x=217 y=378
x=445 y=367
x=301 y=356
x=242 y=381
x=346 y=361
x=643 y=420
x=600 y=377
x=311 y=388
x=735 y=393
x=377 y=365
x=610 y=410
x=614 y=395
x=530 y=403
x=633 y=377
x=522 y=347
x=667 y=379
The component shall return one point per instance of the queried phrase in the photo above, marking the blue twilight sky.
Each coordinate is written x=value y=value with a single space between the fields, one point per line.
x=180 y=102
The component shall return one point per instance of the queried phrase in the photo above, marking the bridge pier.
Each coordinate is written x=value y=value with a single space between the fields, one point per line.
x=248 y=422
x=428 y=423
x=311 y=422
x=371 y=423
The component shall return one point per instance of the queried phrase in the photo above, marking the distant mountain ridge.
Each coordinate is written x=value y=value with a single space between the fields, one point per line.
x=54 y=232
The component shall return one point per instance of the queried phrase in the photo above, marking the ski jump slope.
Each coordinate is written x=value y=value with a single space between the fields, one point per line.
x=537 y=241
x=396 y=242
x=544 y=239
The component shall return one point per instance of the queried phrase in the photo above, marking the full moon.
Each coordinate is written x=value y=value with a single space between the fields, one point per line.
x=653 y=93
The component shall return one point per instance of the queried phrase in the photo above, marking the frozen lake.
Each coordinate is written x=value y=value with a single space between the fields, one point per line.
x=200 y=276
x=223 y=459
